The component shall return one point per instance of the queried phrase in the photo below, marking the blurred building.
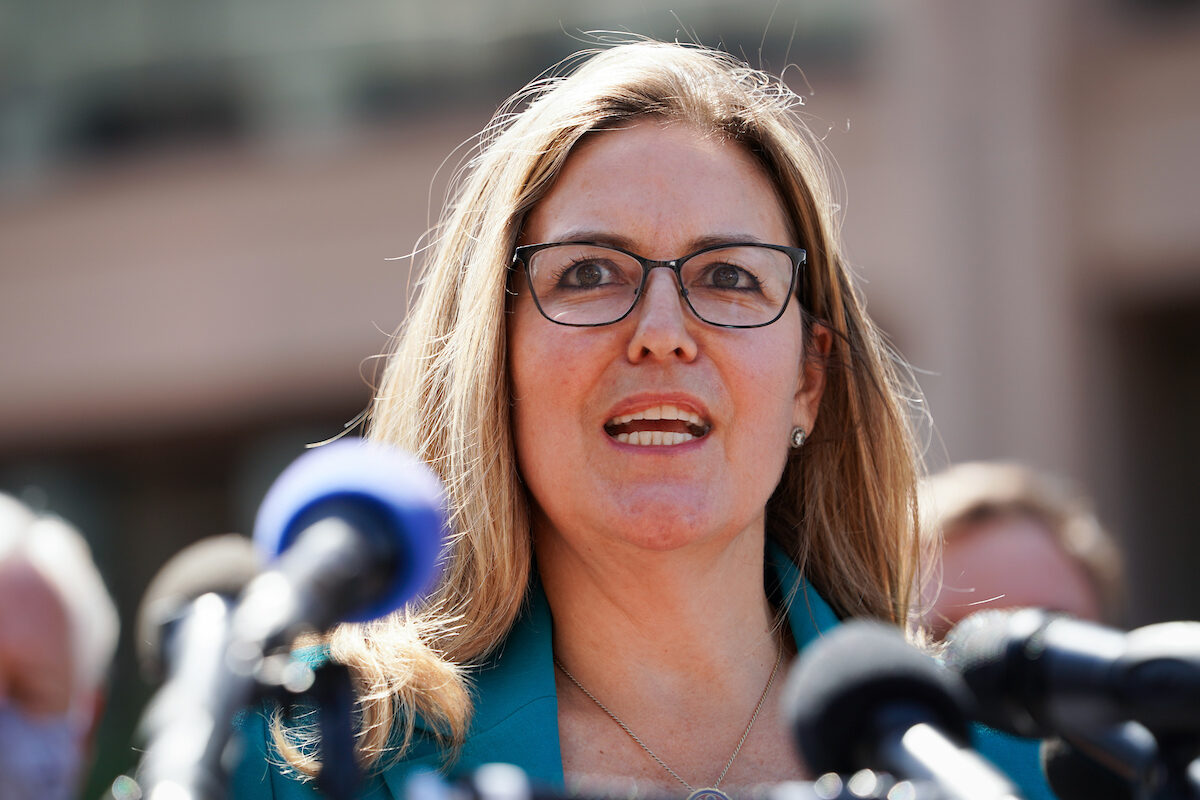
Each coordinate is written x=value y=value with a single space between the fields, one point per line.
x=205 y=208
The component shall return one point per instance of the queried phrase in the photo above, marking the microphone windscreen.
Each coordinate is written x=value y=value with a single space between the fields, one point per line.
x=394 y=497
x=984 y=648
x=846 y=681
x=1074 y=776
x=219 y=564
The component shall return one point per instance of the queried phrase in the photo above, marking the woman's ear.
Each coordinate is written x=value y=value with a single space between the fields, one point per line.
x=812 y=376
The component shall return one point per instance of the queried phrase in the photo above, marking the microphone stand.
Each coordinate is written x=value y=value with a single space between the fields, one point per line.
x=181 y=766
x=1180 y=767
x=333 y=692
x=327 y=690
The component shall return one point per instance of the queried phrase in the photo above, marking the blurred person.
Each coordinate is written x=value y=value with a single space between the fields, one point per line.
x=58 y=634
x=676 y=448
x=1014 y=537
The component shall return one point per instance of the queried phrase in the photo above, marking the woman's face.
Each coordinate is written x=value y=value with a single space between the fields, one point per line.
x=661 y=191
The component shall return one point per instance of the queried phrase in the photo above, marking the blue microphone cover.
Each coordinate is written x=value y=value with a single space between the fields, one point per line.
x=398 y=493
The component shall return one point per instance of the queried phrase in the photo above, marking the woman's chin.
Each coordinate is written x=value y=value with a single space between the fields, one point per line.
x=671 y=530
x=650 y=520
x=664 y=539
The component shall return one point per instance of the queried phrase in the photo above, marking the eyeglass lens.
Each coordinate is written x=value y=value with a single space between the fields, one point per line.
x=581 y=284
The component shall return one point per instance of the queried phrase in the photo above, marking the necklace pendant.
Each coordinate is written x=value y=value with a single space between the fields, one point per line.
x=708 y=793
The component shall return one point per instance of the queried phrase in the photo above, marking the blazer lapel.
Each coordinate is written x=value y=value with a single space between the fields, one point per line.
x=809 y=616
x=516 y=707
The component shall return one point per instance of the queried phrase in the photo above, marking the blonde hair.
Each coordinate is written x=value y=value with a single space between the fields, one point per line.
x=845 y=507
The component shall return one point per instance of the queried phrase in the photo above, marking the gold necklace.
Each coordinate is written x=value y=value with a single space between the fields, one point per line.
x=707 y=793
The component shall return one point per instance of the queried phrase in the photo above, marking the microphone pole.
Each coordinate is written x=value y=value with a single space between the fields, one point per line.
x=1182 y=774
x=1117 y=763
x=183 y=632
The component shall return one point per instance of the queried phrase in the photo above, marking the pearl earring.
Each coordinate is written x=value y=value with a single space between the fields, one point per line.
x=798 y=437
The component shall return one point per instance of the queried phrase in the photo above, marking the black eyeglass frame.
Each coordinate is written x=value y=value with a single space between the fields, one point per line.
x=798 y=256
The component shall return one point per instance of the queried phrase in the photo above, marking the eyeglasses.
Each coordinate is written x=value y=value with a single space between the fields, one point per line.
x=736 y=285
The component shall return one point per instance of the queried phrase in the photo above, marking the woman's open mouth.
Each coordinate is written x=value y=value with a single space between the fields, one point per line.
x=658 y=425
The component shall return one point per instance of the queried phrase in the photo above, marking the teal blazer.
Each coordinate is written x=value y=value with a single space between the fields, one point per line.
x=516 y=713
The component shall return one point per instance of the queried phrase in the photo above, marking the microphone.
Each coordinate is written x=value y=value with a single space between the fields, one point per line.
x=863 y=698
x=354 y=529
x=1035 y=674
x=219 y=565
x=183 y=627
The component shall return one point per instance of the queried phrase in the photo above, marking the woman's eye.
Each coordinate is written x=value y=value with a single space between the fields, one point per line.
x=586 y=274
x=727 y=276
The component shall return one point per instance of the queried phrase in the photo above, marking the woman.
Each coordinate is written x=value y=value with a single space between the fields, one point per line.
x=662 y=485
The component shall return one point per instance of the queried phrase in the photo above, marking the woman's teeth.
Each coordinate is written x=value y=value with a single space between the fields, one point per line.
x=660 y=412
x=654 y=437
x=657 y=426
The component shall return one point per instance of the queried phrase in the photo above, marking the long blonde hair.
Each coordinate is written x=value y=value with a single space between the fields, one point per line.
x=845 y=507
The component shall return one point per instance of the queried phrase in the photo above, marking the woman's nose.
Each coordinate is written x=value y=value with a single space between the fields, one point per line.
x=663 y=322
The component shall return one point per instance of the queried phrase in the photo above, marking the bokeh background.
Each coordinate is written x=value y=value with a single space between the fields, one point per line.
x=205 y=208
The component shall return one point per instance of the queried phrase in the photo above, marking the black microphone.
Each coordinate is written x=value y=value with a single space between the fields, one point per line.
x=1034 y=673
x=356 y=531
x=862 y=698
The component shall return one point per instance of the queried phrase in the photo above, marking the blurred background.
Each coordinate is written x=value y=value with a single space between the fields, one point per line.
x=202 y=206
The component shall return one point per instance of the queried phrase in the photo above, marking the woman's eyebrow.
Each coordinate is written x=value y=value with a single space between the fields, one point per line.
x=727 y=238
x=594 y=235
x=618 y=240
